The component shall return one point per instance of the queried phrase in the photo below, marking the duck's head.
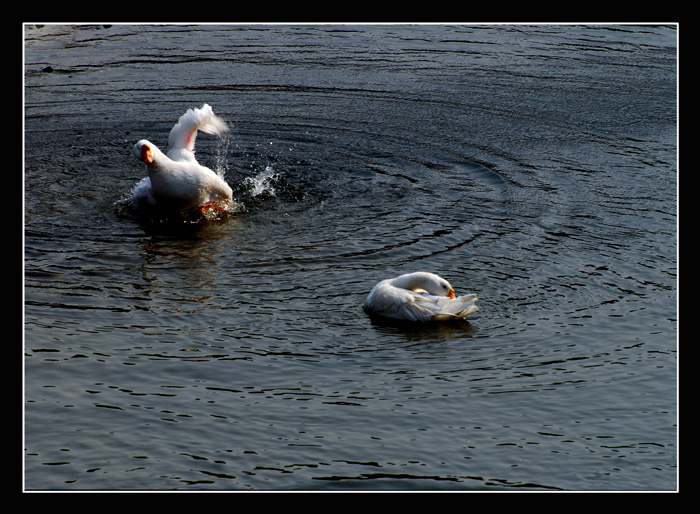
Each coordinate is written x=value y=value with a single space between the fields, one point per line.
x=144 y=151
x=436 y=285
x=446 y=288
x=429 y=282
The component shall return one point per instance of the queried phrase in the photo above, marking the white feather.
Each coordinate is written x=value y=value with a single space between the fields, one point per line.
x=418 y=297
x=177 y=180
x=183 y=135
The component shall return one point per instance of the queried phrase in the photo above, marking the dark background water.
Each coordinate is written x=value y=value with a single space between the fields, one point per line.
x=533 y=165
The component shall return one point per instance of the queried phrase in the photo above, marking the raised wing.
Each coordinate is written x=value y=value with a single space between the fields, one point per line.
x=184 y=133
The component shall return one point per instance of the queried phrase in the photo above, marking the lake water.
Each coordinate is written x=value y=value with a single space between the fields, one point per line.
x=533 y=165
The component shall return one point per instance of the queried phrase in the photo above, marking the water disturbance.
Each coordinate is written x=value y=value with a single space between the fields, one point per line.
x=532 y=165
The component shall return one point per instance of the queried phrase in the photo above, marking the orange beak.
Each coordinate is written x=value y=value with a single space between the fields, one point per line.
x=451 y=294
x=146 y=155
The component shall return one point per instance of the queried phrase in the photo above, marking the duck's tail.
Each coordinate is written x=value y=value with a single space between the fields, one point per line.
x=457 y=308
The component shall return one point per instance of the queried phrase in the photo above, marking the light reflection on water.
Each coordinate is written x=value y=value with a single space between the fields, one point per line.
x=235 y=354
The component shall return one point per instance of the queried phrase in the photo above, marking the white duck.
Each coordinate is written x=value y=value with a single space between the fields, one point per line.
x=420 y=297
x=176 y=180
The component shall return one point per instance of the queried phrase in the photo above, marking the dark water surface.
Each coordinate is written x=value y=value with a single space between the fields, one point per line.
x=533 y=165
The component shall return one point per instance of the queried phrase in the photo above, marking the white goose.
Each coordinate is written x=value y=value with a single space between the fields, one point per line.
x=176 y=180
x=420 y=297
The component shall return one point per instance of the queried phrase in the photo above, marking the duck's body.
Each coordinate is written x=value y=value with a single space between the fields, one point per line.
x=176 y=180
x=418 y=297
x=180 y=184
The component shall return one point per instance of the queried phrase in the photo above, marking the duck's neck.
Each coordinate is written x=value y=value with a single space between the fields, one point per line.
x=413 y=281
x=161 y=162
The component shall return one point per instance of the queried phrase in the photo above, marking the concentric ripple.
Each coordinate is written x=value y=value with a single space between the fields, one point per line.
x=532 y=165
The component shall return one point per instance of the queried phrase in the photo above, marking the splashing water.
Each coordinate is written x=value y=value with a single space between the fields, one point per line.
x=220 y=164
x=140 y=202
x=262 y=183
